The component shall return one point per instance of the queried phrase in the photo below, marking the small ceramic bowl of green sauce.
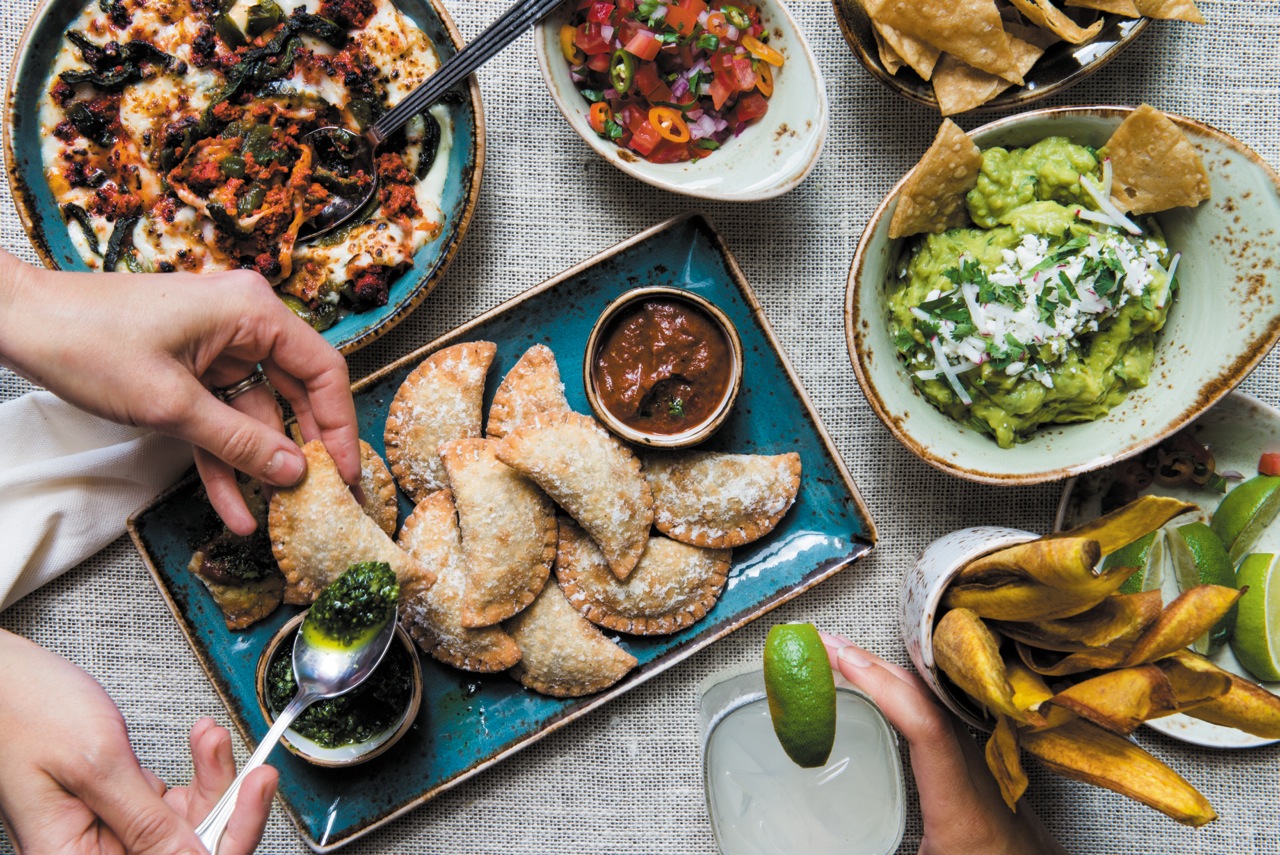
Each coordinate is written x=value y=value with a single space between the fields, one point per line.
x=353 y=728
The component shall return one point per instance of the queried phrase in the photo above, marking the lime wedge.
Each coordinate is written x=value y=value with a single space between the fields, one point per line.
x=1256 y=638
x=1200 y=558
x=802 y=692
x=1246 y=511
x=1146 y=555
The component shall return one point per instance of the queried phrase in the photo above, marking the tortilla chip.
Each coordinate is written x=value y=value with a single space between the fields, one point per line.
x=1127 y=8
x=1042 y=13
x=888 y=56
x=1170 y=10
x=960 y=87
x=970 y=29
x=1155 y=167
x=1038 y=36
x=917 y=53
x=932 y=199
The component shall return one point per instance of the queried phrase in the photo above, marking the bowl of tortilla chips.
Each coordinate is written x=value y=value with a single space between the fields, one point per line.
x=1217 y=204
x=961 y=55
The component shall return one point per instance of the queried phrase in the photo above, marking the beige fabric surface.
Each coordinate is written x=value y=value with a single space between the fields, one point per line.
x=627 y=778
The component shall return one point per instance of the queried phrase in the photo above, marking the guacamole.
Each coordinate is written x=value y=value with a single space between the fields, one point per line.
x=1046 y=310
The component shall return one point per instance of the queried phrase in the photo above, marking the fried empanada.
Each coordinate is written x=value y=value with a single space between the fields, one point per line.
x=318 y=530
x=720 y=500
x=531 y=388
x=433 y=615
x=440 y=401
x=379 y=490
x=593 y=476
x=240 y=572
x=562 y=653
x=674 y=584
x=508 y=531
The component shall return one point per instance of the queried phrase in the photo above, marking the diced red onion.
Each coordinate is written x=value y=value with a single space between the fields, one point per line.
x=576 y=77
x=721 y=124
x=742 y=126
x=606 y=32
x=679 y=87
x=610 y=94
x=703 y=127
x=704 y=88
x=658 y=14
x=694 y=115
x=733 y=33
x=702 y=18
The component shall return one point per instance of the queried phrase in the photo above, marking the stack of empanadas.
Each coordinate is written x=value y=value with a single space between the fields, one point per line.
x=474 y=559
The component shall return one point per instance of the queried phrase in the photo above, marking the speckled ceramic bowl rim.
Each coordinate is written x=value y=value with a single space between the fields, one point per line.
x=1012 y=98
x=23 y=202
x=1226 y=382
x=695 y=434
x=543 y=36
x=410 y=713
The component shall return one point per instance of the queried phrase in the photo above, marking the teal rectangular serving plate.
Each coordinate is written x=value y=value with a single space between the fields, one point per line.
x=468 y=722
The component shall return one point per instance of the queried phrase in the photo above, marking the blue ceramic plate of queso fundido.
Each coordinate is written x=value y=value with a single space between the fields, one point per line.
x=468 y=721
x=29 y=78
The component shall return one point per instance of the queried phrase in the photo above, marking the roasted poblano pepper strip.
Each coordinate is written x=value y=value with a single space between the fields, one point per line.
x=322 y=28
x=225 y=221
x=251 y=200
x=364 y=111
x=229 y=31
x=320 y=318
x=430 y=145
x=121 y=239
x=622 y=68
x=339 y=185
x=133 y=261
x=257 y=142
x=232 y=166
x=72 y=211
x=263 y=15
x=90 y=125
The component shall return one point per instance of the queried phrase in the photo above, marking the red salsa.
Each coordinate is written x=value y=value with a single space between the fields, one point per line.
x=664 y=367
x=671 y=80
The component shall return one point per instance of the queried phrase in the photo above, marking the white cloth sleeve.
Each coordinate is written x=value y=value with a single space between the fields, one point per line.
x=68 y=482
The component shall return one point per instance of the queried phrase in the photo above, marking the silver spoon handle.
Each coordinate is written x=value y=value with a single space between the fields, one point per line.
x=502 y=32
x=210 y=830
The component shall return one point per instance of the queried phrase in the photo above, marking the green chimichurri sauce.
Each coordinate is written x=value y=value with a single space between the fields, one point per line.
x=375 y=705
x=354 y=606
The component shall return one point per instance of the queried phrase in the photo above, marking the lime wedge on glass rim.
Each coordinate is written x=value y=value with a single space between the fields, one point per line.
x=1256 y=637
x=1146 y=554
x=1245 y=512
x=802 y=692
x=1199 y=557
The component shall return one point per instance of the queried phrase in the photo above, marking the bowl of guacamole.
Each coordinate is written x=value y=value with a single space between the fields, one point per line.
x=1043 y=337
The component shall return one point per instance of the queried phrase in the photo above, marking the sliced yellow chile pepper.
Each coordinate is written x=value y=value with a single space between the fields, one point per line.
x=567 y=46
x=765 y=81
x=760 y=50
x=669 y=124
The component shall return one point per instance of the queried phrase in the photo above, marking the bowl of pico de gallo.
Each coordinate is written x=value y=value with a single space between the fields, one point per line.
x=718 y=100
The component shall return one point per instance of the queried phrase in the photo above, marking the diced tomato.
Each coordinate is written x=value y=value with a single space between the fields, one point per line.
x=590 y=41
x=598 y=62
x=644 y=137
x=626 y=7
x=721 y=88
x=753 y=106
x=650 y=85
x=667 y=151
x=744 y=74
x=600 y=13
x=644 y=46
x=683 y=16
x=628 y=29
x=1269 y=464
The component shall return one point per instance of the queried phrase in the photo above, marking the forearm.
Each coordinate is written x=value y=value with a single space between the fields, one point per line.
x=27 y=295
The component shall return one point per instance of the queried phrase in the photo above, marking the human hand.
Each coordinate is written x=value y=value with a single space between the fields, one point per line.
x=144 y=350
x=960 y=802
x=70 y=781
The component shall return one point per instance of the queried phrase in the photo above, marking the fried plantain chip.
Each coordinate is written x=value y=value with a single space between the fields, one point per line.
x=1085 y=752
x=1029 y=688
x=1057 y=562
x=1042 y=13
x=1245 y=706
x=1126 y=524
x=969 y=655
x=1051 y=665
x=1127 y=8
x=1193 y=686
x=1190 y=616
x=1118 y=616
x=960 y=87
x=932 y=198
x=1171 y=10
x=1005 y=762
x=917 y=53
x=1154 y=166
x=1121 y=700
x=969 y=29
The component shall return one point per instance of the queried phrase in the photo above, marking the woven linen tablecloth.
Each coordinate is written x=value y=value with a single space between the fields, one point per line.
x=627 y=779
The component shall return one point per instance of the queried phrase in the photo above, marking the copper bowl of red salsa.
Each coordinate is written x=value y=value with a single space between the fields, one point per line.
x=663 y=367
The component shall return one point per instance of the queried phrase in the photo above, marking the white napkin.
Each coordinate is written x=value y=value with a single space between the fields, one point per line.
x=68 y=482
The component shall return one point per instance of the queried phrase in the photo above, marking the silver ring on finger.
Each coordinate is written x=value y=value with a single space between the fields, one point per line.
x=227 y=394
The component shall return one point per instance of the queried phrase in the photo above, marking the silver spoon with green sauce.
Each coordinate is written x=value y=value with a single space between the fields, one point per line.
x=341 y=642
